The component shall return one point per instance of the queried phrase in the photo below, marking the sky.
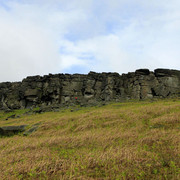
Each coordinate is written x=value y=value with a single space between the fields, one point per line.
x=39 y=37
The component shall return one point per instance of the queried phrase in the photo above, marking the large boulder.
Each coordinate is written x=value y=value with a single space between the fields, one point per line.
x=166 y=72
x=142 y=72
x=12 y=130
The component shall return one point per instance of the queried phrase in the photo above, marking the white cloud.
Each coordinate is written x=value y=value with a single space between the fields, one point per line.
x=43 y=36
x=25 y=50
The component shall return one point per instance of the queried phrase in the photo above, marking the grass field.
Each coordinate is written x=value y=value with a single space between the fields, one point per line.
x=131 y=140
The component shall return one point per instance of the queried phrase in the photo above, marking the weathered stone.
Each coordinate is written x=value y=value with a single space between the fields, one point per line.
x=142 y=72
x=166 y=72
x=31 y=92
x=65 y=89
x=12 y=130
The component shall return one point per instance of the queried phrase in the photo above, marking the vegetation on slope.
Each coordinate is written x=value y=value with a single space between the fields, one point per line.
x=132 y=140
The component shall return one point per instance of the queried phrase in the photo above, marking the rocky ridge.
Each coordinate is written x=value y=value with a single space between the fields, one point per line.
x=65 y=89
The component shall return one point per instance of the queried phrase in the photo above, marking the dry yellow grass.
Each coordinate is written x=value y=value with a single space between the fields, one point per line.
x=133 y=140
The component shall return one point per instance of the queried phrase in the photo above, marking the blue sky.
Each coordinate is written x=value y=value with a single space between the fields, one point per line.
x=78 y=36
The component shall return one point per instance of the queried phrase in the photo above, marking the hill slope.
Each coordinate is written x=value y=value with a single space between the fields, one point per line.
x=132 y=140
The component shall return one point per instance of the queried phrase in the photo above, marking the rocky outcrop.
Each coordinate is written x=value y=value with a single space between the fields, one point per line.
x=66 y=89
x=12 y=130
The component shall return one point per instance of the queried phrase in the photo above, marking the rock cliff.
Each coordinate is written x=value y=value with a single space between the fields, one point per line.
x=66 y=89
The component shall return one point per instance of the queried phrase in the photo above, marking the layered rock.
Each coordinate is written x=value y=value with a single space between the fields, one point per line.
x=66 y=89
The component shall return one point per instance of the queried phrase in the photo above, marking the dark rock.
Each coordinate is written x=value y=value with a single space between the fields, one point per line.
x=12 y=130
x=142 y=72
x=52 y=92
x=166 y=72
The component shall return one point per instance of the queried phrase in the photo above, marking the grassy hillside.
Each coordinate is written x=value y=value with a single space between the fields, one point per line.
x=133 y=140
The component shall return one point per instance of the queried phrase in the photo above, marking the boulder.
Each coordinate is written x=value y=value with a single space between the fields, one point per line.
x=142 y=72
x=166 y=72
x=12 y=130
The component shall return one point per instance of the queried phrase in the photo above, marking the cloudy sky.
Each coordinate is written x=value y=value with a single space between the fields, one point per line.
x=78 y=36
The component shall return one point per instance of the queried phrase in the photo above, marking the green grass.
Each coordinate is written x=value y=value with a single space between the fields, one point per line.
x=129 y=140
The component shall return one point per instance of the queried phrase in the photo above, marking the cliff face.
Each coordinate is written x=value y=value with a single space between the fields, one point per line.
x=66 y=89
